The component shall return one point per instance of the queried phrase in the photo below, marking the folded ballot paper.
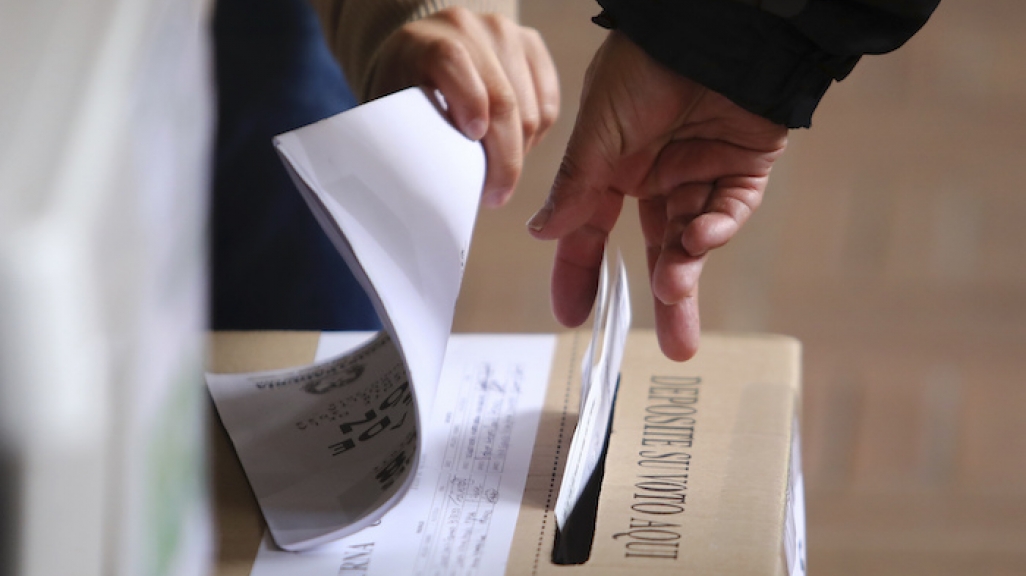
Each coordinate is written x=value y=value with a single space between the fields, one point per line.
x=330 y=447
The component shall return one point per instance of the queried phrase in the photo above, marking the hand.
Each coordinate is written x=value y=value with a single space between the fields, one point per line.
x=497 y=77
x=697 y=163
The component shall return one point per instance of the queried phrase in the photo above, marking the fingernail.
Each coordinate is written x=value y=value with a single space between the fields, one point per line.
x=540 y=218
x=476 y=129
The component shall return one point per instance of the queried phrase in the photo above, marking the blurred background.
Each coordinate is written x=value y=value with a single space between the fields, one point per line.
x=891 y=242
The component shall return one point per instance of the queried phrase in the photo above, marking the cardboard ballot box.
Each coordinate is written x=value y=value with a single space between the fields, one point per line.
x=702 y=472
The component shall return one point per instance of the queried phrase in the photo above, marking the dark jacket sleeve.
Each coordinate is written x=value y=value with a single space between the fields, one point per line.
x=773 y=57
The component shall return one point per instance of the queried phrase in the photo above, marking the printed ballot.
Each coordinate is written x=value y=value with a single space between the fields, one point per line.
x=330 y=447
x=413 y=451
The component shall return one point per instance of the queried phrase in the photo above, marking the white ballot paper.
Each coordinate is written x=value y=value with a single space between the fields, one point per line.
x=396 y=188
x=330 y=448
x=598 y=388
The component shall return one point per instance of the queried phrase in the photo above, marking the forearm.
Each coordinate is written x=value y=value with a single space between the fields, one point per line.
x=776 y=61
x=355 y=29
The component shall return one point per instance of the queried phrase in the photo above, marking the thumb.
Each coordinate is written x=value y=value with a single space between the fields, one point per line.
x=587 y=168
x=592 y=153
x=580 y=211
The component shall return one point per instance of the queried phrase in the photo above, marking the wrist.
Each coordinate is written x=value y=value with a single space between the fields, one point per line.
x=756 y=59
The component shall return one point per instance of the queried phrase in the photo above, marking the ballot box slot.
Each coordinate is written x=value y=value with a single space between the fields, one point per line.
x=573 y=542
x=9 y=512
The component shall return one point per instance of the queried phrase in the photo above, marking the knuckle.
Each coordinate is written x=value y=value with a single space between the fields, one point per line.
x=459 y=16
x=406 y=33
x=745 y=199
x=498 y=25
x=532 y=124
x=736 y=209
x=445 y=51
x=752 y=201
x=502 y=103
x=505 y=171
x=567 y=173
x=532 y=34
x=548 y=110
x=533 y=38
x=510 y=167
x=406 y=39
x=729 y=206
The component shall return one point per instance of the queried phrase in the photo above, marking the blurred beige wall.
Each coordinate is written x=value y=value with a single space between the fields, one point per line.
x=892 y=241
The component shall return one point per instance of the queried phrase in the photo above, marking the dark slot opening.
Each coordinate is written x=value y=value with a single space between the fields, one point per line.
x=9 y=512
x=573 y=542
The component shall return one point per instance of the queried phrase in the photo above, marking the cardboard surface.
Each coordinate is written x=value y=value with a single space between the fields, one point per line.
x=704 y=486
x=239 y=523
x=705 y=496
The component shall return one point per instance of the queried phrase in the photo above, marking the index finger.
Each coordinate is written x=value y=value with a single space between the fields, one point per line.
x=581 y=210
x=578 y=262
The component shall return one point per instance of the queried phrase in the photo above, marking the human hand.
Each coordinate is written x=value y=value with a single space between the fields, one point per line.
x=497 y=77
x=697 y=163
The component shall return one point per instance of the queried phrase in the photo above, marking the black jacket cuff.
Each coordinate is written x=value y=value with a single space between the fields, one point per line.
x=758 y=60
